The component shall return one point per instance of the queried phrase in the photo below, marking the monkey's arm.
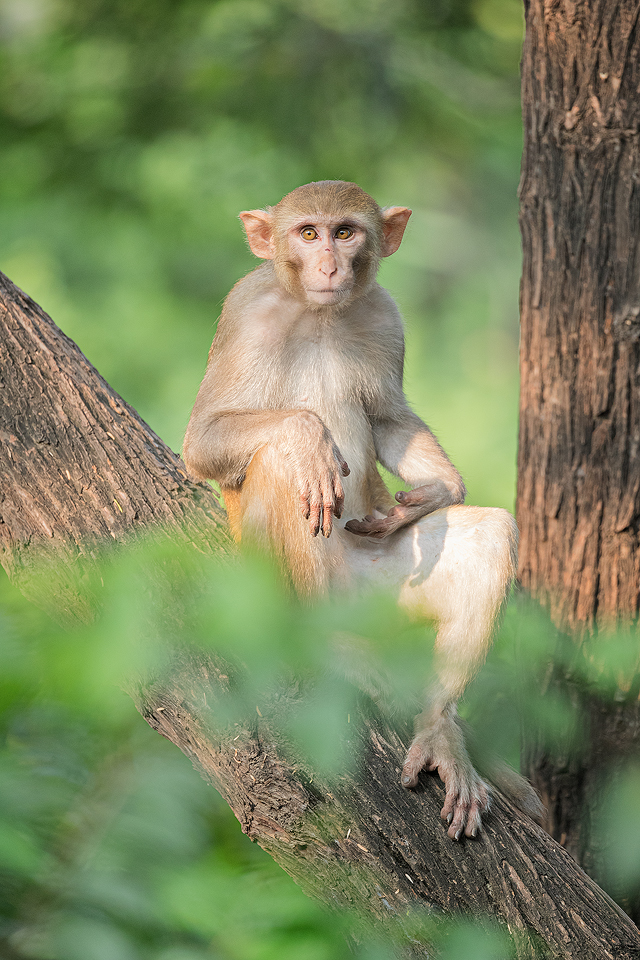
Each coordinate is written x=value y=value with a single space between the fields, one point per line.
x=219 y=444
x=406 y=447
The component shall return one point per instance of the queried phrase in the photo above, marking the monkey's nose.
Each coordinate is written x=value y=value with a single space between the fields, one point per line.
x=328 y=267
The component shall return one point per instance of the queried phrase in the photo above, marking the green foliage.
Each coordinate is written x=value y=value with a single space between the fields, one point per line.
x=132 y=134
x=111 y=845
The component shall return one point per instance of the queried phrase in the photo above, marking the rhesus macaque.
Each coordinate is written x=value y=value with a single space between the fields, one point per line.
x=301 y=398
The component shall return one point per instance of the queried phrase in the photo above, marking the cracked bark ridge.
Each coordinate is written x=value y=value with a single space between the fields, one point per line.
x=69 y=448
x=578 y=505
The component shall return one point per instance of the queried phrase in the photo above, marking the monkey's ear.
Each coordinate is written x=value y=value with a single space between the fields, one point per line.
x=257 y=226
x=394 y=221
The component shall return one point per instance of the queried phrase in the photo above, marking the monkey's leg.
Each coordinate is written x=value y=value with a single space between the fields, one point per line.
x=266 y=510
x=467 y=562
x=439 y=745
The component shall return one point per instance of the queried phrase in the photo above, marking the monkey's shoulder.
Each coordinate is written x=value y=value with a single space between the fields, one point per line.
x=255 y=291
x=256 y=308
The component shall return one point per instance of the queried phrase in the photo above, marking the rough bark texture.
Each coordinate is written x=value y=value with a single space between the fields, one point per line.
x=578 y=503
x=69 y=449
x=359 y=840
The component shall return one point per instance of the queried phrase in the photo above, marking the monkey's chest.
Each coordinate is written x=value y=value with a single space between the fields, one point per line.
x=334 y=394
x=323 y=382
x=329 y=374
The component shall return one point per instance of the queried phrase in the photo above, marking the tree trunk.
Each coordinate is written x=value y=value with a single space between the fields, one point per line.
x=79 y=467
x=578 y=505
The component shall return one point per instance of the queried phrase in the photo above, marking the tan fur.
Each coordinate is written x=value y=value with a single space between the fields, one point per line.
x=301 y=399
x=233 y=503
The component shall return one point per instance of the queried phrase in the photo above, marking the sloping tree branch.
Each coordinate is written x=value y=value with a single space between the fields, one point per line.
x=79 y=468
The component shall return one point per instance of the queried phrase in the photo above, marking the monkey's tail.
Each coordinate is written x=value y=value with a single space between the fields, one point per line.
x=516 y=788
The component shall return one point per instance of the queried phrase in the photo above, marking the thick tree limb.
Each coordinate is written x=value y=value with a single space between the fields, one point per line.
x=79 y=468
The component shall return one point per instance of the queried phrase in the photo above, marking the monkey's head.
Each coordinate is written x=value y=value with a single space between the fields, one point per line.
x=326 y=240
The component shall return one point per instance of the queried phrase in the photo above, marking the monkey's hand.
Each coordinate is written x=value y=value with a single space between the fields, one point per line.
x=440 y=747
x=414 y=504
x=319 y=468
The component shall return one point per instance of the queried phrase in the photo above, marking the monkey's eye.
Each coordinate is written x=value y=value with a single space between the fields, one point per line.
x=308 y=233
x=344 y=233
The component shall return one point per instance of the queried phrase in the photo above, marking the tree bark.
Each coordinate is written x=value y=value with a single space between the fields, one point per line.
x=79 y=468
x=578 y=505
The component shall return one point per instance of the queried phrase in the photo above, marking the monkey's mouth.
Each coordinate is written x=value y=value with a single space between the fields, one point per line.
x=327 y=292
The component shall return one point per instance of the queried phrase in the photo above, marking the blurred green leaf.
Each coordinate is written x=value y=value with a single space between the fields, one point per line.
x=618 y=832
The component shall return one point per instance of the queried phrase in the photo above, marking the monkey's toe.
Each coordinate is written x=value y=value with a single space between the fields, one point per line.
x=462 y=817
x=466 y=800
x=417 y=759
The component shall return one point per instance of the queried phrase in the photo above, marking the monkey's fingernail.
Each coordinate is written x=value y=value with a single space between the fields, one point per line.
x=449 y=817
x=458 y=834
x=474 y=832
x=406 y=780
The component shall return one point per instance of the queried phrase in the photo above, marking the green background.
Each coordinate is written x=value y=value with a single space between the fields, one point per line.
x=132 y=132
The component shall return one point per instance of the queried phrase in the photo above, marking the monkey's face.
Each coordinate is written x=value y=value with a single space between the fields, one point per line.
x=321 y=260
x=326 y=240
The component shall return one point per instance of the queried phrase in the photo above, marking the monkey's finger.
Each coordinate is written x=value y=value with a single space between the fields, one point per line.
x=315 y=512
x=327 y=514
x=457 y=827
x=415 y=761
x=364 y=527
x=315 y=520
x=412 y=498
x=372 y=527
x=361 y=527
x=449 y=808
x=474 y=820
x=342 y=463
x=304 y=501
x=338 y=497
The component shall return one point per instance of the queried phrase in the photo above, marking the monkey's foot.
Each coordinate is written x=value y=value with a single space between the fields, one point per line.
x=467 y=794
x=378 y=528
